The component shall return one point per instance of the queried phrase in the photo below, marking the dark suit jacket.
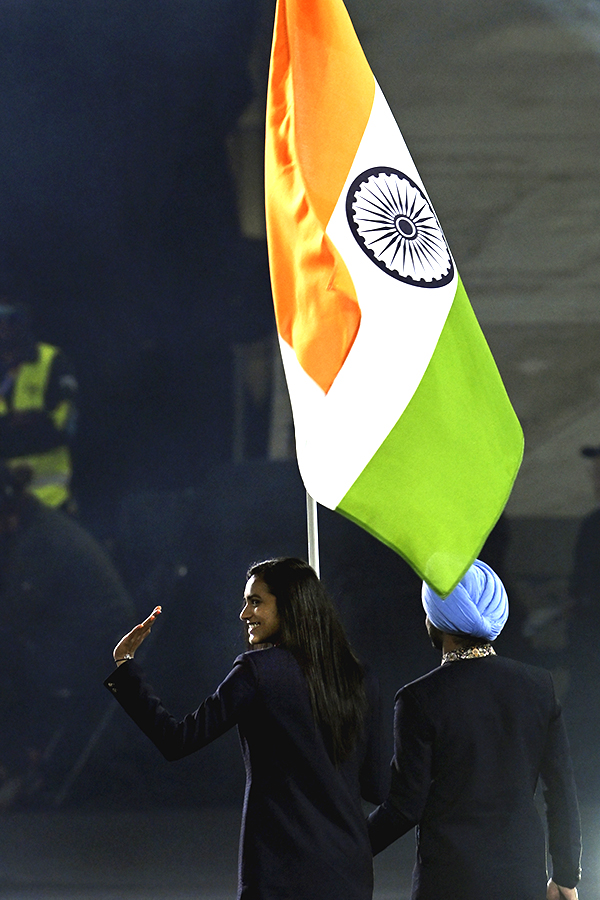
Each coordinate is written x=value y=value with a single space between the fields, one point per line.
x=304 y=835
x=471 y=740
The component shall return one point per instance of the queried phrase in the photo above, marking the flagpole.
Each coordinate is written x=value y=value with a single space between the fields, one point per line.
x=312 y=525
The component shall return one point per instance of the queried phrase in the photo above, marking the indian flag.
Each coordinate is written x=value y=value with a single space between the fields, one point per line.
x=402 y=421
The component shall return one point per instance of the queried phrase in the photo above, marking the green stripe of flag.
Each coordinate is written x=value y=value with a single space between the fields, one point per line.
x=436 y=486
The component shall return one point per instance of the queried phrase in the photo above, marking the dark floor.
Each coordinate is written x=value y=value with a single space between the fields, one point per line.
x=146 y=856
x=161 y=855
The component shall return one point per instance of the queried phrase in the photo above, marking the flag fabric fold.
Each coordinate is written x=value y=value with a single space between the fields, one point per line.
x=402 y=421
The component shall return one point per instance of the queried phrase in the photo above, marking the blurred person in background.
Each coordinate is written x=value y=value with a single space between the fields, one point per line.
x=63 y=606
x=582 y=703
x=38 y=395
x=584 y=581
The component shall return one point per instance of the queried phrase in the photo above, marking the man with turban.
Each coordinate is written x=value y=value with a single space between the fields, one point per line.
x=471 y=740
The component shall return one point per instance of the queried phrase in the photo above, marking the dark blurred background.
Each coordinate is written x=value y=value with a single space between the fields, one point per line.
x=120 y=224
x=131 y=222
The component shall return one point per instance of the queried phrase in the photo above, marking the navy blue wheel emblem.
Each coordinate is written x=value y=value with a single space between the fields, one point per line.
x=394 y=223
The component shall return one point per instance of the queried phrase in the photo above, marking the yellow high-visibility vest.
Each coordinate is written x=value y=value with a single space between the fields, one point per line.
x=52 y=470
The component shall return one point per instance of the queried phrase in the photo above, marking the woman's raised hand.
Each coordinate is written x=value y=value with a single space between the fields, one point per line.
x=127 y=646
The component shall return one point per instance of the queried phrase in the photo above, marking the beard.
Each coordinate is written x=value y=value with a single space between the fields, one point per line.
x=435 y=635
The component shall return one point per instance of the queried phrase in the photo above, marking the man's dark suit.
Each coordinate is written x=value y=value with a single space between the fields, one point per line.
x=472 y=738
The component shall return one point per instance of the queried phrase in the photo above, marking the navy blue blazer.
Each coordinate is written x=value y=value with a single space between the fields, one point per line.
x=303 y=834
x=471 y=740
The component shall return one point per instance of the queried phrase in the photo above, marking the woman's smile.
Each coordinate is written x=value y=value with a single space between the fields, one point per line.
x=259 y=612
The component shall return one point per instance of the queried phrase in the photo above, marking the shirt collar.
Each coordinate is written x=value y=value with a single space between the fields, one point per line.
x=468 y=653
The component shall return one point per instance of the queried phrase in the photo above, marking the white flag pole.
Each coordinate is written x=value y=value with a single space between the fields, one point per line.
x=312 y=525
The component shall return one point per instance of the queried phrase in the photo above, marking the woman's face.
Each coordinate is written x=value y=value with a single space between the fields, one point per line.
x=259 y=613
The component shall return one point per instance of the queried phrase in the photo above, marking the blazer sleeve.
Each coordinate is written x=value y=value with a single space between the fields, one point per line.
x=177 y=738
x=562 y=810
x=410 y=774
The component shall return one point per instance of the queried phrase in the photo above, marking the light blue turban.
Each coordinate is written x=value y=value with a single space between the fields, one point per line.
x=478 y=605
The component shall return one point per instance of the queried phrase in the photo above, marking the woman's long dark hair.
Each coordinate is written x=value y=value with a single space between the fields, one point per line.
x=312 y=631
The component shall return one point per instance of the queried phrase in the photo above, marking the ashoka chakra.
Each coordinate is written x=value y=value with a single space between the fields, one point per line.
x=395 y=225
